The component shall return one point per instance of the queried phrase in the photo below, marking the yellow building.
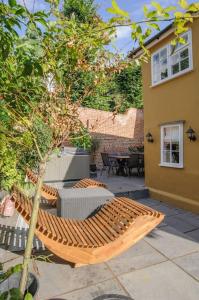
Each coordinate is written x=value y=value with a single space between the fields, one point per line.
x=171 y=108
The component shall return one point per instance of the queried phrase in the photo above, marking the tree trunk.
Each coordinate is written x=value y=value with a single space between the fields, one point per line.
x=33 y=222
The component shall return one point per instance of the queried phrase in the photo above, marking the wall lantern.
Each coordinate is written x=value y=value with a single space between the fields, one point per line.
x=191 y=134
x=149 y=137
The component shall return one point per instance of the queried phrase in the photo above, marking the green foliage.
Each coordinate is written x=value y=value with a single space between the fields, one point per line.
x=120 y=91
x=129 y=85
x=14 y=293
x=84 y=11
x=8 y=164
x=81 y=139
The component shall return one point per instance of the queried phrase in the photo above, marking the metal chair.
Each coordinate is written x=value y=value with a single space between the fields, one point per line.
x=108 y=163
x=141 y=165
x=132 y=163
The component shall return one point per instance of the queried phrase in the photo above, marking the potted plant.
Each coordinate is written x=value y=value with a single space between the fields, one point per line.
x=10 y=281
x=94 y=147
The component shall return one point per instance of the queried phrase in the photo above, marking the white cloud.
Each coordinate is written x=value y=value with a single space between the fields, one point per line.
x=123 y=33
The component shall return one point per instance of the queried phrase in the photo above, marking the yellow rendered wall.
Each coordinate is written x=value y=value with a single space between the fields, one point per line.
x=176 y=99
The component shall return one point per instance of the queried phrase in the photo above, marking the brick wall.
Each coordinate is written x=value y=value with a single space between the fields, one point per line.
x=115 y=133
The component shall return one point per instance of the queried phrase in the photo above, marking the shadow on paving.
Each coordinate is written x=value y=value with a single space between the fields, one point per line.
x=105 y=297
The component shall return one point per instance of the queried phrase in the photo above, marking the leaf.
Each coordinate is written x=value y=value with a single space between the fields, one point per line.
x=152 y=14
x=15 y=294
x=157 y=6
x=28 y=67
x=115 y=9
x=139 y=29
x=183 y=4
x=146 y=10
x=178 y=15
x=28 y=296
x=17 y=268
x=193 y=7
x=12 y=3
x=20 y=11
x=155 y=26
x=170 y=8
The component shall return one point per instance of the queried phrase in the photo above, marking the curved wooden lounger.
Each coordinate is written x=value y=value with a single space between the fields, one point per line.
x=116 y=227
x=51 y=194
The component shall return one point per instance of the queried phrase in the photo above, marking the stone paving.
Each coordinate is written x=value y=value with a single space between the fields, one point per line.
x=162 y=266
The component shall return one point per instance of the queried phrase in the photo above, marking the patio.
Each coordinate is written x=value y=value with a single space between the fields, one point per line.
x=164 y=265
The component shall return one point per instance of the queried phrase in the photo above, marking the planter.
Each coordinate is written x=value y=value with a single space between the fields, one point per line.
x=14 y=280
x=113 y=297
x=93 y=167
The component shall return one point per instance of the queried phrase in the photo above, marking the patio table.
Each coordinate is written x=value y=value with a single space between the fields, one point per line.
x=81 y=203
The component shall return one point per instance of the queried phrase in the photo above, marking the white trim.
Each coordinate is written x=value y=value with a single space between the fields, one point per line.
x=181 y=156
x=169 y=57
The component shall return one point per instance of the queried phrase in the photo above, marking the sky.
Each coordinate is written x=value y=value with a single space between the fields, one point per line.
x=123 y=43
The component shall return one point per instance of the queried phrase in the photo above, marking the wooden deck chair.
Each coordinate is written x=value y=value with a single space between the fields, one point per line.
x=51 y=194
x=115 y=227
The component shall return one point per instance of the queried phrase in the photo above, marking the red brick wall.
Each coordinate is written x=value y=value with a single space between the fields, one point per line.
x=115 y=133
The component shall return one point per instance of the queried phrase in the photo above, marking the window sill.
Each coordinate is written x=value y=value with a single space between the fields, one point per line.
x=172 y=78
x=171 y=166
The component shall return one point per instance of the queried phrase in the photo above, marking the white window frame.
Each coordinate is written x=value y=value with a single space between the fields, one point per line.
x=181 y=157
x=169 y=56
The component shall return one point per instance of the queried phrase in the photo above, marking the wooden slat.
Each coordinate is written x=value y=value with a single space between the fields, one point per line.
x=99 y=232
x=71 y=233
x=103 y=229
x=100 y=241
x=107 y=225
x=89 y=229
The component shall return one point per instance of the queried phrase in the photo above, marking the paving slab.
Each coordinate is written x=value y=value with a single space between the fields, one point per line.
x=139 y=256
x=171 y=242
x=194 y=235
x=117 y=184
x=190 y=218
x=56 y=279
x=149 y=202
x=179 y=224
x=190 y=263
x=6 y=256
x=164 y=281
x=92 y=292
x=166 y=209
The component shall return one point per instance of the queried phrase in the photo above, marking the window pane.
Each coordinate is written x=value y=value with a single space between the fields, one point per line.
x=175 y=158
x=184 y=64
x=164 y=74
x=163 y=53
x=166 y=146
x=167 y=133
x=175 y=69
x=175 y=146
x=184 y=53
x=175 y=133
x=156 y=58
x=160 y=65
x=166 y=156
x=179 y=45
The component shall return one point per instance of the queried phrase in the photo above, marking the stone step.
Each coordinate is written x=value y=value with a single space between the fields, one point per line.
x=135 y=194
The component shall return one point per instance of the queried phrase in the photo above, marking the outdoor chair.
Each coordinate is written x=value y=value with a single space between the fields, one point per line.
x=141 y=166
x=109 y=164
x=132 y=163
x=118 y=225
x=51 y=194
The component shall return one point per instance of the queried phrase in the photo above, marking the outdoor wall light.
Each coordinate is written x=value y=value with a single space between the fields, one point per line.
x=191 y=134
x=149 y=137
